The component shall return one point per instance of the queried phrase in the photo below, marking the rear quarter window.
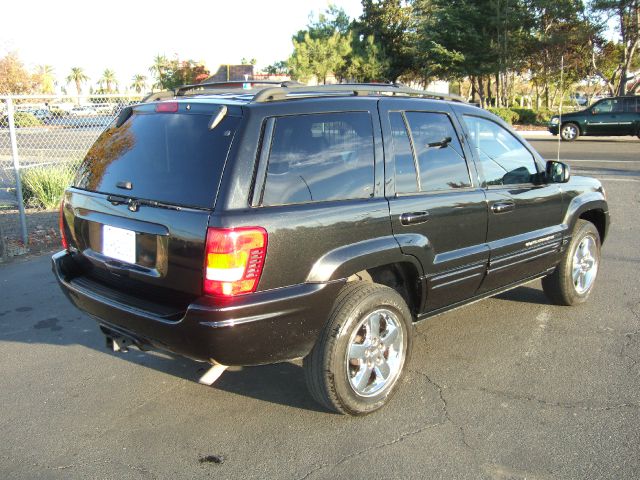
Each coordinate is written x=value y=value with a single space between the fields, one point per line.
x=320 y=157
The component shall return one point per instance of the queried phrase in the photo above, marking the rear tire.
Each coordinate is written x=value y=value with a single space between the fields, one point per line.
x=356 y=365
x=573 y=279
x=569 y=132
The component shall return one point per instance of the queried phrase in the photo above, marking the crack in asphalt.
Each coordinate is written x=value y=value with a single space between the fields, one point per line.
x=549 y=403
x=445 y=408
x=348 y=457
x=631 y=339
x=403 y=436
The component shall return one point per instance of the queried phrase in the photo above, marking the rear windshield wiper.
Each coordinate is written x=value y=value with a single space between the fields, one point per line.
x=135 y=203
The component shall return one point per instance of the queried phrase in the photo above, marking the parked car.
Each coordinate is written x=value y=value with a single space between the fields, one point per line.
x=82 y=111
x=613 y=116
x=42 y=114
x=255 y=227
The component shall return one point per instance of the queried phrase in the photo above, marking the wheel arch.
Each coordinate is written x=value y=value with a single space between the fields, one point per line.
x=377 y=260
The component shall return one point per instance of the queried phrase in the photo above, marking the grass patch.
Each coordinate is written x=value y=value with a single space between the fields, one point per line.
x=43 y=187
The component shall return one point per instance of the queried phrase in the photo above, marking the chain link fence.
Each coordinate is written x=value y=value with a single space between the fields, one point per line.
x=42 y=141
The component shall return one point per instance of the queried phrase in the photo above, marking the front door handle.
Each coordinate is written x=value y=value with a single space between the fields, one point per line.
x=502 y=207
x=413 y=218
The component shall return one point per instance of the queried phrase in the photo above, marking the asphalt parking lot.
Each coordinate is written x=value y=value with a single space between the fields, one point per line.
x=507 y=388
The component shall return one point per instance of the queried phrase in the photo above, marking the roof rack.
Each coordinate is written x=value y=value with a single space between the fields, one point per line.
x=288 y=90
x=232 y=85
x=354 y=89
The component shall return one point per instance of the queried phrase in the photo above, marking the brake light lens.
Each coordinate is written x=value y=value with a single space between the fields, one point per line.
x=167 y=107
x=234 y=258
x=63 y=235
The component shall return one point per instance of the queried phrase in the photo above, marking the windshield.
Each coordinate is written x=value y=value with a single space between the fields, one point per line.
x=172 y=158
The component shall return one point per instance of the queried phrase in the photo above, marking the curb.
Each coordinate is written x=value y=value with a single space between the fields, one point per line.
x=543 y=133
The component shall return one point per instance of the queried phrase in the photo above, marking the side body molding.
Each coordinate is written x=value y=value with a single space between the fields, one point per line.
x=349 y=259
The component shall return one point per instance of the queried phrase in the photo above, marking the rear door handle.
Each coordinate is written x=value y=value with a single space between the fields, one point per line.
x=413 y=218
x=502 y=207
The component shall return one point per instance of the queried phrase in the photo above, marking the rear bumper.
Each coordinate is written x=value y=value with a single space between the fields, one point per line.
x=264 y=327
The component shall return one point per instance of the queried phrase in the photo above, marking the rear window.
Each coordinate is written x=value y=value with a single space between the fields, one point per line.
x=171 y=158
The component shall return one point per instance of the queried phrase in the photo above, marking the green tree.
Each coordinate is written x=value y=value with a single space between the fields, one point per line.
x=139 y=83
x=561 y=34
x=108 y=81
x=278 y=68
x=366 y=63
x=246 y=61
x=46 y=79
x=318 y=57
x=159 y=70
x=392 y=25
x=78 y=77
x=626 y=13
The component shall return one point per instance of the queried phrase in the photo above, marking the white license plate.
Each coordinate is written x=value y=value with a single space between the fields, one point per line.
x=119 y=243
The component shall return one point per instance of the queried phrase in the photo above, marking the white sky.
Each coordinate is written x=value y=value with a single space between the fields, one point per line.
x=125 y=36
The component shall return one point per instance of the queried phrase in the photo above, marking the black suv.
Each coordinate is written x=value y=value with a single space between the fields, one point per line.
x=616 y=116
x=246 y=227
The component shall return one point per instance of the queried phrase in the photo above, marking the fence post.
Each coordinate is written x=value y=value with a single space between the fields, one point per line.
x=16 y=169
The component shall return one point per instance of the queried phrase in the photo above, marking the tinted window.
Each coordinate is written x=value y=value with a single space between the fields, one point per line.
x=503 y=159
x=440 y=158
x=608 y=106
x=171 y=158
x=406 y=178
x=631 y=105
x=320 y=157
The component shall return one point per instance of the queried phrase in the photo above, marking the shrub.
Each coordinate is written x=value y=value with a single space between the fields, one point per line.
x=42 y=187
x=526 y=116
x=543 y=116
x=506 y=114
x=21 y=119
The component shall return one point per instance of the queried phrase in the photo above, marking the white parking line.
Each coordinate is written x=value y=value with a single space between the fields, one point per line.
x=602 y=161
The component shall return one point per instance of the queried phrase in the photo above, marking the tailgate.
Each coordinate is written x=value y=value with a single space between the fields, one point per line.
x=154 y=254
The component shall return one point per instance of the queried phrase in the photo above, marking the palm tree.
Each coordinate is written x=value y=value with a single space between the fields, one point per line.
x=77 y=76
x=47 y=78
x=139 y=83
x=158 y=68
x=108 y=79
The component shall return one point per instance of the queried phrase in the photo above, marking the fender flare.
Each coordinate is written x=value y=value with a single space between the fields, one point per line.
x=582 y=203
x=344 y=261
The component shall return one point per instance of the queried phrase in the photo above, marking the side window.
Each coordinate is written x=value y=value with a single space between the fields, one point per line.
x=608 y=106
x=503 y=159
x=320 y=157
x=631 y=105
x=440 y=159
x=406 y=178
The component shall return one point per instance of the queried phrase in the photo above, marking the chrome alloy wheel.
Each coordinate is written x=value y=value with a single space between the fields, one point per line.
x=375 y=353
x=569 y=132
x=585 y=264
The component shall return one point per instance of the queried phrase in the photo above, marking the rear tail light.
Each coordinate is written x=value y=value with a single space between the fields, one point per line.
x=234 y=258
x=63 y=235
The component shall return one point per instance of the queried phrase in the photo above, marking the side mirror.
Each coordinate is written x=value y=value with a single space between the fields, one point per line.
x=594 y=111
x=557 y=172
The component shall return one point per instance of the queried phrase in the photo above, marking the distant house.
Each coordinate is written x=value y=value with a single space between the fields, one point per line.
x=230 y=73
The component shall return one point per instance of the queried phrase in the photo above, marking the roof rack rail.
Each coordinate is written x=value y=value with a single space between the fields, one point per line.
x=231 y=85
x=286 y=92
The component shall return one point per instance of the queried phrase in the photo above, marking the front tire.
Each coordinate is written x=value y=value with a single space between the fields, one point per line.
x=357 y=363
x=569 y=132
x=572 y=281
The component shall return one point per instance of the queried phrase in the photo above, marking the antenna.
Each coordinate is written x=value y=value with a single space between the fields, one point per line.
x=561 y=102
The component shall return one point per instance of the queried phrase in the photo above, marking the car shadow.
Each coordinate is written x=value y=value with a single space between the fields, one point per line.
x=525 y=294
x=34 y=311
